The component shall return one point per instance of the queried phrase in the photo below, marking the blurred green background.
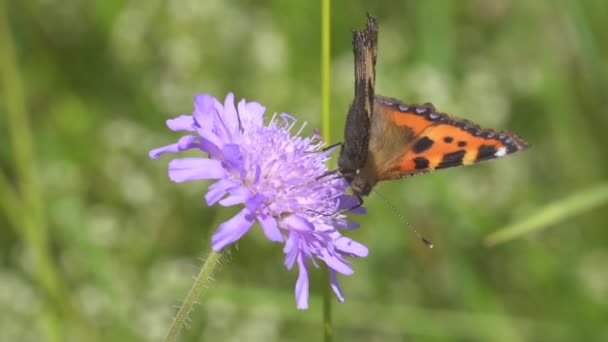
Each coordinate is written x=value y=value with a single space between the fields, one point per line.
x=97 y=244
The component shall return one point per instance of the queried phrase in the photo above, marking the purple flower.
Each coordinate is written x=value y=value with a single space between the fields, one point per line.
x=277 y=178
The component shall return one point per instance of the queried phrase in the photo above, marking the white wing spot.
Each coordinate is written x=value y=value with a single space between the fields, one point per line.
x=501 y=152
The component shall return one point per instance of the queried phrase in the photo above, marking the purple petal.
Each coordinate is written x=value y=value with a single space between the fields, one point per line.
x=233 y=156
x=217 y=190
x=254 y=202
x=212 y=138
x=237 y=195
x=347 y=202
x=358 y=211
x=211 y=148
x=345 y=224
x=302 y=285
x=181 y=123
x=291 y=249
x=335 y=263
x=231 y=119
x=157 y=152
x=231 y=230
x=255 y=109
x=335 y=286
x=298 y=223
x=350 y=247
x=251 y=114
x=219 y=123
x=204 y=110
x=184 y=143
x=258 y=173
x=270 y=228
x=205 y=114
x=186 y=169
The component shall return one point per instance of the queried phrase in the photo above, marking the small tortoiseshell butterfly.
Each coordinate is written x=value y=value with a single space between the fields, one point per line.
x=386 y=139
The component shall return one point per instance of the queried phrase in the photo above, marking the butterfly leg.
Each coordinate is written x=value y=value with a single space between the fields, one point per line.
x=330 y=147
x=333 y=146
x=328 y=173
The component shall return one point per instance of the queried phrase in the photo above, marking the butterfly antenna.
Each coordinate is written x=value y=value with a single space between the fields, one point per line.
x=428 y=243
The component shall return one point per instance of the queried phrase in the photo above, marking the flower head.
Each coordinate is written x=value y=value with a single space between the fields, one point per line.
x=279 y=179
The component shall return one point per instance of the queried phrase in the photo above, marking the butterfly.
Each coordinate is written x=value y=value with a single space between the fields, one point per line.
x=386 y=139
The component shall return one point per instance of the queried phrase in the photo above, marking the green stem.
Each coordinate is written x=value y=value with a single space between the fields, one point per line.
x=328 y=327
x=325 y=69
x=200 y=282
x=328 y=331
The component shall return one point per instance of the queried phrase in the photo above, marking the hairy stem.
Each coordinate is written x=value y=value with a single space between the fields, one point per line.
x=202 y=279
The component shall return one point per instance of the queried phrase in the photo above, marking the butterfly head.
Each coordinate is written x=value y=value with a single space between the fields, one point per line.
x=360 y=185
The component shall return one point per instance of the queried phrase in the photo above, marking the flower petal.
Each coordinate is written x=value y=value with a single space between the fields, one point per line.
x=204 y=110
x=237 y=195
x=335 y=263
x=335 y=286
x=233 y=156
x=186 y=169
x=217 y=190
x=345 y=224
x=184 y=143
x=205 y=116
x=350 y=203
x=255 y=109
x=291 y=249
x=181 y=123
x=219 y=124
x=210 y=147
x=298 y=223
x=351 y=247
x=231 y=119
x=302 y=284
x=358 y=211
x=212 y=138
x=270 y=228
x=232 y=230
x=157 y=152
x=251 y=114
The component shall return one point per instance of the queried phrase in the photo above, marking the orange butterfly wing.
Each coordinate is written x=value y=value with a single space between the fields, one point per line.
x=411 y=139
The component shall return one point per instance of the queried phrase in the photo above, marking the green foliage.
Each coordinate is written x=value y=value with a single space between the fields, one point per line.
x=97 y=244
